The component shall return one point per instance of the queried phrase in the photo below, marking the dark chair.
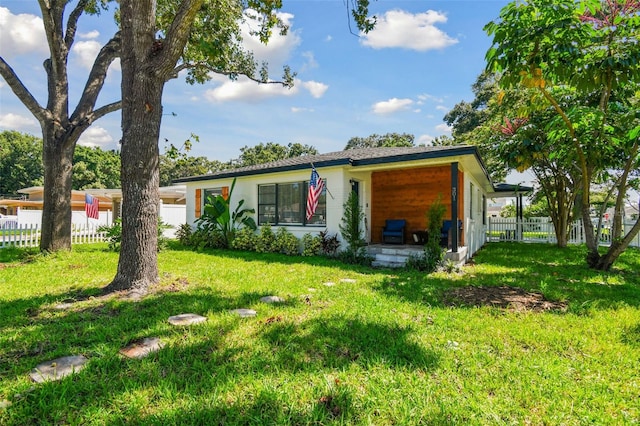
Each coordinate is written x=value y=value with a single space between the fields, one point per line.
x=393 y=231
x=444 y=232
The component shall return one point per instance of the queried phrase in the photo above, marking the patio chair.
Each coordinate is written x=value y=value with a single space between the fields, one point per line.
x=444 y=232
x=393 y=231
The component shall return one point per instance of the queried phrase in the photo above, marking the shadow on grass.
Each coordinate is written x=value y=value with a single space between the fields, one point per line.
x=559 y=274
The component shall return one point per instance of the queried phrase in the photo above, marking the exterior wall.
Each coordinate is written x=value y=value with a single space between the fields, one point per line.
x=407 y=194
x=247 y=189
x=474 y=219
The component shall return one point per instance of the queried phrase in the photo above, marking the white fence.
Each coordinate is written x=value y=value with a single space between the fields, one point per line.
x=29 y=235
x=541 y=230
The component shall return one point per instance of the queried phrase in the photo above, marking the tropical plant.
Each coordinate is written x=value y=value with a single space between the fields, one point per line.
x=351 y=226
x=218 y=216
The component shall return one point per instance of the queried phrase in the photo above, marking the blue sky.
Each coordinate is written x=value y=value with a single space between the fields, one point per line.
x=420 y=61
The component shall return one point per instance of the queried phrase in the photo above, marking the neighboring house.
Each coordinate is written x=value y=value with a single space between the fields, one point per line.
x=391 y=183
x=29 y=208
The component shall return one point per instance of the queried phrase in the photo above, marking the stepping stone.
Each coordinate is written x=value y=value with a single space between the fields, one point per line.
x=311 y=289
x=4 y=404
x=186 y=319
x=272 y=299
x=142 y=348
x=347 y=280
x=63 y=306
x=329 y=284
x=245 y=313
x=58 y=368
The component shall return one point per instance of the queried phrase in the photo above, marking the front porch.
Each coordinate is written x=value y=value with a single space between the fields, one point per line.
x=396 y=256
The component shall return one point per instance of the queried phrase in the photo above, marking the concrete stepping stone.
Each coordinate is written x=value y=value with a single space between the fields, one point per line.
x=245 y=313
x=272 y=299
x=186 y=319
x=58 y=368
x=347 y=280
x=142 y=348
x=63 y=306
x=4 y=404
x=329 y=284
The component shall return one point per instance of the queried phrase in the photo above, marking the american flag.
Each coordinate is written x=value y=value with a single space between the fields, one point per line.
x=316 y=184
x=91 y=205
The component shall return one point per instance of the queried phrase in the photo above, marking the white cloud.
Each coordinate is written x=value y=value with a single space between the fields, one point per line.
x=316 y=89
x=443 y=128
x=246 y=90
x=278 y=50
x=310 y=63
x=18 y=122
x=426 y=97
x=425 y=140
x=398 y=28
x=328 y=38
x=391 y=106
x=86 y=52
x=442 y=108
x=89 y=35
x=21 y=33
x=95 y=136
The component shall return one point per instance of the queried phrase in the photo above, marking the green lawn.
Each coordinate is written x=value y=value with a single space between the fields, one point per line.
x=383 y=350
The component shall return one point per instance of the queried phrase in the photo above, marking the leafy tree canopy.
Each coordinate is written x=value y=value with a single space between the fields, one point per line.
x=20 y=162
x=377 y=141
x=265 y=153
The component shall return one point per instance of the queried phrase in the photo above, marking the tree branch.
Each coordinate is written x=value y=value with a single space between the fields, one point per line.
x=21 y=91
x=72 y=23
x=104 y=110
x=96 y=78
x=182 y=67
x=177 y=36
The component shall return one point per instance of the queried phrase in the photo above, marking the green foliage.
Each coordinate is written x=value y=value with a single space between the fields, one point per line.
x=433 y=253
x=20 y=162
x=351 y=225
x=218 y=216
x=184 y=234
x=286 y=242
x=508 y=210
x=329 y=243
x=175 y=163
x=311 y=245
x=265 y=153
x=113 y=233
x=95 y=168
x=378 y=141
x=266 y=240
x=245 y=239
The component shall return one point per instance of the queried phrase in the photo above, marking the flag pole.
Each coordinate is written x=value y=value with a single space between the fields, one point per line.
x=326 y=186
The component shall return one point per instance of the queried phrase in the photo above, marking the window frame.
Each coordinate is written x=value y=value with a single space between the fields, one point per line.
x=277 y=206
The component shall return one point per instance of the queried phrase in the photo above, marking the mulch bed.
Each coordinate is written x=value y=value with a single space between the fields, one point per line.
x=510 y=298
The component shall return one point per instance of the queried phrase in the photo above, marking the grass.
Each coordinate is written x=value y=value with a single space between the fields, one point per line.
x=383 y=350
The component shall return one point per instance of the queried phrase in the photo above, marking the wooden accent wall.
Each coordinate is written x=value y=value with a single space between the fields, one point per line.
x=198 y=202
x=408 y=193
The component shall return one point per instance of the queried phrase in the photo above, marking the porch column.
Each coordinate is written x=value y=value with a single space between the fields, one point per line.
x=454 y=207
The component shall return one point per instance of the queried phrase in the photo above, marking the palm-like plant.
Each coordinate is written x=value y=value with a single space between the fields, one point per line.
x=218 y=216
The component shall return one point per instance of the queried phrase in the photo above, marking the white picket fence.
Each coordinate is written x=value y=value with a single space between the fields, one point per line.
x=29 y=235
x=541 y=230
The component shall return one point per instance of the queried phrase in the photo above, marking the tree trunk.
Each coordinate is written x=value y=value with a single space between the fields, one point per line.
x=57 y=158
x=142 y=87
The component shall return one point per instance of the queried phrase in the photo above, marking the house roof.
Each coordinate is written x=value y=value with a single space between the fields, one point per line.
x=352 y=157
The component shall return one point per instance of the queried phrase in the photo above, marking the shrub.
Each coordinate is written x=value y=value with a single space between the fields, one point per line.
x=311 y=246
x=184 y=233
x=350 y=228
x=359 y=257
x=207 y=238
x=329 y=243
x=266 y=240
x=113 y=234
x=286 y=242
x=245 y=239
x=433 y=253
